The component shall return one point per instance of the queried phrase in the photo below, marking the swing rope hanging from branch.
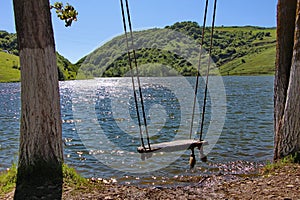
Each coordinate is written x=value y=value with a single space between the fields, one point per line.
x=178 y=144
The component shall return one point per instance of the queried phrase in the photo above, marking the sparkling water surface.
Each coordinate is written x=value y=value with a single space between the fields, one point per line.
x=101 y=132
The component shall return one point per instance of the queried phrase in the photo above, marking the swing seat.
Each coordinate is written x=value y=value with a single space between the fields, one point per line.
x=177 y=145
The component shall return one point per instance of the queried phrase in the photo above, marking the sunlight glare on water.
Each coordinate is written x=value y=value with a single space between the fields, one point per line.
x=247 y=134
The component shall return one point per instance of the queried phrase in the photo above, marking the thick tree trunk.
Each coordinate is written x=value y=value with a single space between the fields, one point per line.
x=40 y=153
x=287 y=87
x=286 y=15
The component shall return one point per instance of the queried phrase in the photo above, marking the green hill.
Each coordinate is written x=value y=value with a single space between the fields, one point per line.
x=255 y=57
x=174 y=49
x=66 y=70
x=10 y=66
x=165 y=51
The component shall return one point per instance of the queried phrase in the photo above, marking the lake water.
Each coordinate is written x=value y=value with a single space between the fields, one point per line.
x=101 y=132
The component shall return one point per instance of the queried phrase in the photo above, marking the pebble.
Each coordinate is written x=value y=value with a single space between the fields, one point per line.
x=290 y=186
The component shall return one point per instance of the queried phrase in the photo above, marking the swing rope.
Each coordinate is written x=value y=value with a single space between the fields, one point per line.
x=130 y=60
x=208 y=68
x=207 y=72
x=137 y=74
x=198 y=69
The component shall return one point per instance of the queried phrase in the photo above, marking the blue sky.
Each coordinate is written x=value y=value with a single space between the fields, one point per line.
x=100 y=20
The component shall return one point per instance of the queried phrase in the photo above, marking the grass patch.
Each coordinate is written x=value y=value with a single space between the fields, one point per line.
x=270 y=167
x=72 y=178
x=74 y=184
x=73 y=181
x=8 y=180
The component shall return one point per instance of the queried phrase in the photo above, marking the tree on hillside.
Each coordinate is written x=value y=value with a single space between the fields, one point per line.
x=40 y=153
x=287 y=85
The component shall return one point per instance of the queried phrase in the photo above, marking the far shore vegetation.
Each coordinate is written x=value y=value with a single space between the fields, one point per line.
x=246 y=50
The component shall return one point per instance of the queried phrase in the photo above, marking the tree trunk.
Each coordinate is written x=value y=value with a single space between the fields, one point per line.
x=287 y=86
x=40 y=153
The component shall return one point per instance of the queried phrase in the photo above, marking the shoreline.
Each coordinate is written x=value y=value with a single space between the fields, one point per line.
x=282 y=182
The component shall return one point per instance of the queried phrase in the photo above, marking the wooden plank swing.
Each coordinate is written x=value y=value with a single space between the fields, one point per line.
x=177 y=145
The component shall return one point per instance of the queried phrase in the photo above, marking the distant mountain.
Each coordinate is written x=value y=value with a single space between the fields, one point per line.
x=174 y=50
x=10 y=66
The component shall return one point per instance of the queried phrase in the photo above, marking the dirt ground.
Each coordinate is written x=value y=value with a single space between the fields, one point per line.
x=281 y=183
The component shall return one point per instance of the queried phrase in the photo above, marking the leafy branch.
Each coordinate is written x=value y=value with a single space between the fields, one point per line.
x=67 y=13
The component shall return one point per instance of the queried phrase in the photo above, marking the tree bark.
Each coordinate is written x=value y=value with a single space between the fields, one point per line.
x=286 y=99
x=40 y=153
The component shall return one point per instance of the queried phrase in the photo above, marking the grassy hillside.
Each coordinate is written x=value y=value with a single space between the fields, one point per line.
x=260 y=63
x=9 y=62
x=247 y=50
x=9 y=68
x=164 y=52
x=237 y=51
x=260 y=56
x=66 y=70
